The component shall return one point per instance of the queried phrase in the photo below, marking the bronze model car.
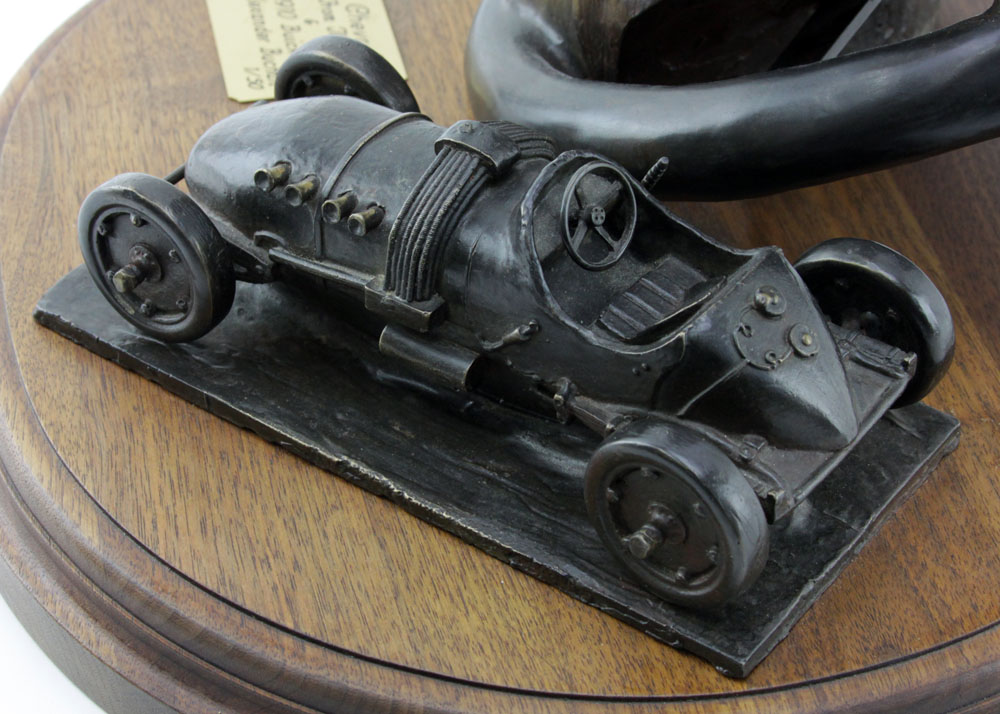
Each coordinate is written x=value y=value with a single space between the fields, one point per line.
x=725 y=384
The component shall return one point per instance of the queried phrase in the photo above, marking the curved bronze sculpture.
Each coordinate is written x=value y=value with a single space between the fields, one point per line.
x=533 y=62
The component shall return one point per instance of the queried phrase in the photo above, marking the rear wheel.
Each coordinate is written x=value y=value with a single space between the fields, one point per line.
x=156 y=257
x=334 y=65
x=677 y=513
x=869 y=287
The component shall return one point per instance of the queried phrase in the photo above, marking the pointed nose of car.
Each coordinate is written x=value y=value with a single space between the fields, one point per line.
x=807 y=400
x=792 y=362
x=777 y=376
x=816 y=411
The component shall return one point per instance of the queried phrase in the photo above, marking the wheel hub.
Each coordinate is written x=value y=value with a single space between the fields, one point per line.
x=662 y=528
x=142 y=266
x=663 y=524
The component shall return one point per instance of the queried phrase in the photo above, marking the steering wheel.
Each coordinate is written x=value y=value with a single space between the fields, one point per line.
x=598 y=215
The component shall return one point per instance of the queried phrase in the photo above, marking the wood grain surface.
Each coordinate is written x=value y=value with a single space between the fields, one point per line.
x=218 y=573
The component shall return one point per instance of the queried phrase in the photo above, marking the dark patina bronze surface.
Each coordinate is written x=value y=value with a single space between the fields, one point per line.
x=733 y=92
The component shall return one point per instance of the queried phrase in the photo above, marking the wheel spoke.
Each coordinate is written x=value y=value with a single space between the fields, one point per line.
x=603 y=233
x=578 y=235
x=611 y=197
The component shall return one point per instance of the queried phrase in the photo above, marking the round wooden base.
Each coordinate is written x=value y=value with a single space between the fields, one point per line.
x=167 y=558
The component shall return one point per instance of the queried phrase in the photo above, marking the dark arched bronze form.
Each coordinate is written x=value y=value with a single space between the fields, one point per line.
x=750 y=135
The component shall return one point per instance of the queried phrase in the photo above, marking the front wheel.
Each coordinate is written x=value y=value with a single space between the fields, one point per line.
x=677 y=513
x=156 y=257
x=868 y=287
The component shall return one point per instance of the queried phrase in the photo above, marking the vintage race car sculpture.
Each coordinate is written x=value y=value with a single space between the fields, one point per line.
x=724 y=384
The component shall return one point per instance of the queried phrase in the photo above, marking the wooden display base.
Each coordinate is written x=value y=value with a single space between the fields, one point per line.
x=165 y=556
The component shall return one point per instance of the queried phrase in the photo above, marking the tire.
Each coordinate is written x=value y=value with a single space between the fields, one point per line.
x=334 y=65
x=677 y=514
x=869 y=287
x=156 y=257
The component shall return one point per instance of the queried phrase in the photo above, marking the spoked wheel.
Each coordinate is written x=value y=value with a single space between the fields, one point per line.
x=869 y=287
x=156 y=257
x=677 y=513
x=598 y=215
x=334 y=65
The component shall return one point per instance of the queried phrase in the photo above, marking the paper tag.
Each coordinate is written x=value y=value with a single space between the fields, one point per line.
x=255 y=36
